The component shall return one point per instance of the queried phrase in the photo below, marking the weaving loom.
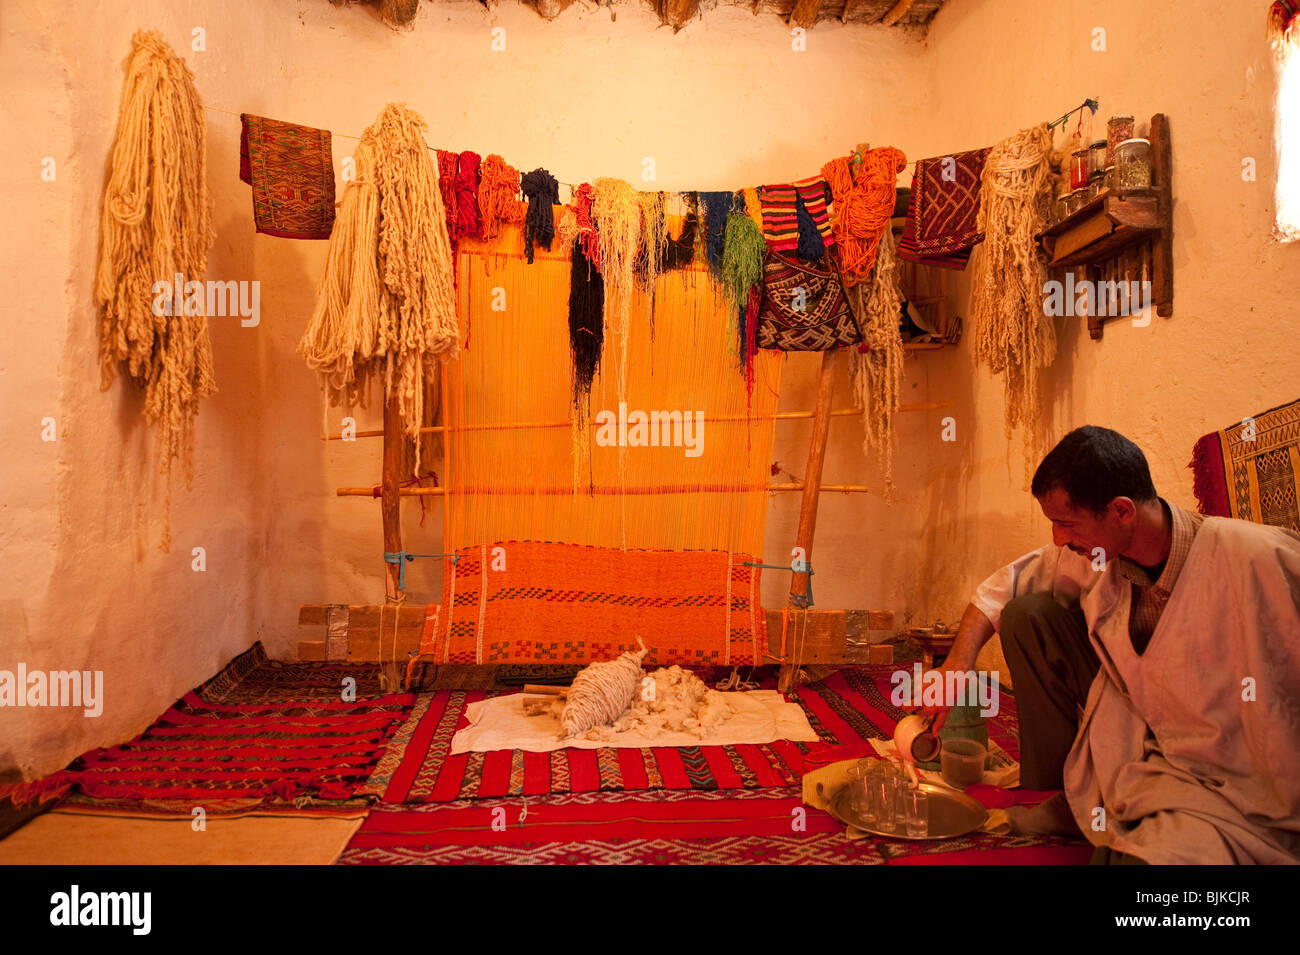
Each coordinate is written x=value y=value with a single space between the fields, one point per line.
x=571 y=526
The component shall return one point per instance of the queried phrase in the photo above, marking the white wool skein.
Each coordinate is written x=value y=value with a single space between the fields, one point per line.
x=601 y=693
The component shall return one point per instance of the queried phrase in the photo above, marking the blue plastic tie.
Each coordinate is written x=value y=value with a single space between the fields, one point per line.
x=401 y=557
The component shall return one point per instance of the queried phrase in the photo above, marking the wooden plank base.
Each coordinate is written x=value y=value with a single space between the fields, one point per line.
x=812 y=636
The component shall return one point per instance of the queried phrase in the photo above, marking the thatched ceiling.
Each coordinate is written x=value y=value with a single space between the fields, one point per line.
x=676 y=13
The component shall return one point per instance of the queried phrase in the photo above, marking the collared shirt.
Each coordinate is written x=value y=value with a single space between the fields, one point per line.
x=1150 y=596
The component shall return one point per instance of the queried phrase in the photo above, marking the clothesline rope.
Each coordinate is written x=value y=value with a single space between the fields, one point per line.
x=1091 y=103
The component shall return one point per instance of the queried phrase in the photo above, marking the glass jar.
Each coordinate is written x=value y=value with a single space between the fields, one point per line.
x=1109 y=181
x=1096 y=184
x=1118 y=129
x=1079 y=169
x=1078 y=199
x=1133 y=165
x=1097 y=157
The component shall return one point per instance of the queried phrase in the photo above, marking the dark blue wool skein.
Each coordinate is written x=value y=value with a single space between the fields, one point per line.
x=542 y=191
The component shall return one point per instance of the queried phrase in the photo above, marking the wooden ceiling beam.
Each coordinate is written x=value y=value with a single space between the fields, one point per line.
x=805 y=13
x=899 y=11
x=676 y=13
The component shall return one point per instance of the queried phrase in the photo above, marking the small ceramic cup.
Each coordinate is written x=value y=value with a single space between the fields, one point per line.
x=914 y=739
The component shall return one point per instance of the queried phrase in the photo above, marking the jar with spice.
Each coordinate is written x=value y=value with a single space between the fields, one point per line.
x=1079 y=169
x=1118 y=129
x=1096 y=157
x=1133 y=164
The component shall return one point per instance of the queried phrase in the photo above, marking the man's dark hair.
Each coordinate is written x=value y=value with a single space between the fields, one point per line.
x=1094 y=466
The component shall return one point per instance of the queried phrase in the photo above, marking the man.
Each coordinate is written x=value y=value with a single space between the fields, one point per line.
x=1155 y=655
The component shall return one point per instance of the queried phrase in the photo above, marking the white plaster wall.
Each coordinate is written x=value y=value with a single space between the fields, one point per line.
x=1228 y=350
x=727 y=102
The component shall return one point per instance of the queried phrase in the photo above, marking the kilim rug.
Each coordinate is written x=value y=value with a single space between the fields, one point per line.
x=263 y=757
x=941 y=226
x=291 y=170
x=847 y=710
x=1249 y=469
x=767 y=826
x=541 y=602
x=252 y=678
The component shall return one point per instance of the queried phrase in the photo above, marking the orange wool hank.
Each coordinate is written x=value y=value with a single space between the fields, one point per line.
x=863 y=202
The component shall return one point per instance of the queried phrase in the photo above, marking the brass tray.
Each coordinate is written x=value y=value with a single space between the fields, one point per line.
x=952 y=813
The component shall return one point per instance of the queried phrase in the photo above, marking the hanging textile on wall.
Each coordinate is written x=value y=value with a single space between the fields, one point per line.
x=780 y=205
x=942 y=219
x=1013 y=335
x=863 y=189
x=805 y=307
x=156 y=225
x=291 y=170
x=386 y=306
x=876 y=369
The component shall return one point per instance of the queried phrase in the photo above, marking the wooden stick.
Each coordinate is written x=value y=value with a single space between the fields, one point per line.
x=526 y=425
x=563 y=490
x=544 y=690
x=390 y=493
x=898 y=12
x=799 y=582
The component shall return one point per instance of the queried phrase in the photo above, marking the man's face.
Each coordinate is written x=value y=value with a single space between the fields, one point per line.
x=1083 y=531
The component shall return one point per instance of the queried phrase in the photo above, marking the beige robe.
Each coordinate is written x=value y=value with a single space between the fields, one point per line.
x=1185 y=768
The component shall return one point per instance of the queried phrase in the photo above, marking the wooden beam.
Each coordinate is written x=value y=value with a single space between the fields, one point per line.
x=391 y=493
x=831 y=636
x=676 y=13
x=550 y=9
x=805 y=13
x=799 y=583
x=898 y=12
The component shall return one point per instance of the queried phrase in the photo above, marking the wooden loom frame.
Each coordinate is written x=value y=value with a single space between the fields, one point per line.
x=358 y=633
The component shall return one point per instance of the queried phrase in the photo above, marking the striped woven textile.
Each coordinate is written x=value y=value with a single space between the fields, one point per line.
x=271 y=754
x=780 y=220
x=542 y=602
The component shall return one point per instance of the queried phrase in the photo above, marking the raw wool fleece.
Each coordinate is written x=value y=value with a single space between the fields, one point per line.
x=680 y=703
x=386 y=301
x=156 y=224
x=1013 y=336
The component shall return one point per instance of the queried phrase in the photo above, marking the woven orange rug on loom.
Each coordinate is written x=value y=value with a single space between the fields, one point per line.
x=539 y=602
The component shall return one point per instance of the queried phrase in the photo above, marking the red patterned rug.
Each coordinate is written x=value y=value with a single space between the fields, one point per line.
x=259 y=737
x=847 y=710
x=664 y=827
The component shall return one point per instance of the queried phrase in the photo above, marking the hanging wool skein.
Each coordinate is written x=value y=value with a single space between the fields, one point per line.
x=863 y=195
x=543 y=194
x=466 y=188
x=876 y=368
x=742 y=278
x=679 y=253
x=717 y=207
x=498 y=196
x=601 y=692
x=386 y=304
x=616 y=212
x=156 y=225
x=1013 y=335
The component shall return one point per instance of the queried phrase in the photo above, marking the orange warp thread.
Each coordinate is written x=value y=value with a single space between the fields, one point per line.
x=864 y=196
x=498 y=196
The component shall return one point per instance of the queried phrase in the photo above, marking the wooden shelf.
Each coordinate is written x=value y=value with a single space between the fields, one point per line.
x=1104 y=227
x=1123 y=236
